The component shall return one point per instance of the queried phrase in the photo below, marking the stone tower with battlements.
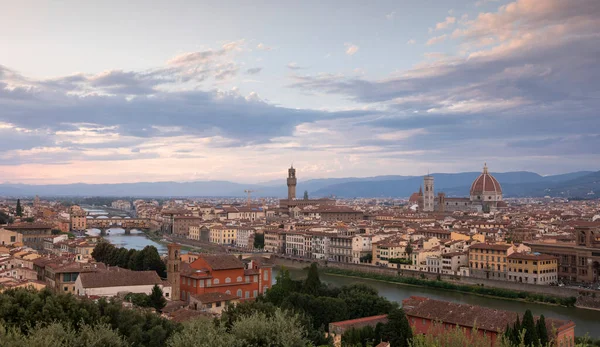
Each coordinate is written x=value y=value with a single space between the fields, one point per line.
x=174 y=270
x=428 y=196
x=291 y=183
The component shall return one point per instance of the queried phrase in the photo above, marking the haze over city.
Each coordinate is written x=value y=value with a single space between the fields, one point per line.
x=126 y=92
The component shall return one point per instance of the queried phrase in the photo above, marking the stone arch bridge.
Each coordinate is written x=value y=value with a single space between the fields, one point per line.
x=105 y=223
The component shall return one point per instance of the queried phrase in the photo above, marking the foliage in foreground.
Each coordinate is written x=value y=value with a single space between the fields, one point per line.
x=27 y=310
x=155 y=300
x=257 y=329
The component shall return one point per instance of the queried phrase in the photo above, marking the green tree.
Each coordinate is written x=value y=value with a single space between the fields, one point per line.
x=157 y=300
x=397 y=331
x=259 y=241
x=408 y=250
x=312 y=285
x=367 y=258
x=19 y=209
x=4 y=218
x=531 y=336
x=306 y=195
x=203 y=333
x=542 y=331
x=516 y=332
x=279 y=330
x=364 y=301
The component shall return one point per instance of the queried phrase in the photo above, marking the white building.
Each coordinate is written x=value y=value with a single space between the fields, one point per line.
x=361 y=246
x=113 y=282
x=244 y=238
x=451 y=262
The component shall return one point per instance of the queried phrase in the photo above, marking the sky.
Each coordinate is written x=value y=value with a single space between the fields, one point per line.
x=129 y=91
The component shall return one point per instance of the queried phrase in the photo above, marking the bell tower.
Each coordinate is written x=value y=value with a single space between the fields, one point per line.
x=428 y=197
x=174 y=270
x=291 y=183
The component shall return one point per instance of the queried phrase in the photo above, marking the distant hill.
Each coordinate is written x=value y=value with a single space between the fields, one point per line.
x=519 y=183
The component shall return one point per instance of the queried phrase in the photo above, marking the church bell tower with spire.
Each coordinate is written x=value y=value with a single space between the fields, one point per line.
x=291 y=183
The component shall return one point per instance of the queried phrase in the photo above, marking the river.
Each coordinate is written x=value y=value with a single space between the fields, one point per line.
x=586 y=321
x=136 y=240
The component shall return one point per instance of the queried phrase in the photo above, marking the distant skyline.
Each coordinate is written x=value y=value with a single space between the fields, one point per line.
x=112 y=91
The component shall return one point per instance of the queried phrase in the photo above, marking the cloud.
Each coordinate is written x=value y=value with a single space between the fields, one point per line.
x=351 y=49
x=411 y=42
x=446 y=23
x=254 y=70
x=436 y=40
x=262 y=47
x=536 y=79
x=390 y=15
x=294 y=66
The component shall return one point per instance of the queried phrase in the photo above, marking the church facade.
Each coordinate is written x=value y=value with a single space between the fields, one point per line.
x=485 y=195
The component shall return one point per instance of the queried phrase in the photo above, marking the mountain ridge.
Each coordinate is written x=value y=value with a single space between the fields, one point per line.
x=515 y=183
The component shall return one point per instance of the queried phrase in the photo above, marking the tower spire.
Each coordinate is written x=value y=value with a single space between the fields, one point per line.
x=485 y=168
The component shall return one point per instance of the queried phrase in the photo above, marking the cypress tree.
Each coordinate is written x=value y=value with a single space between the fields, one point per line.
x=19 y=208
x=508 y=334
x=531 y=336
x=156 y=298
x=516 y=332
x=542 y=331
x=312 y=284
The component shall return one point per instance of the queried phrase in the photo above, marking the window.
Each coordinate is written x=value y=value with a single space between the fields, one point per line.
x=208 y=282
x=239 y=279
x=66 y=289
x=218 y=304
x=239 y=293
x=228 y=292
x=247 y=294
x=265 y=275
x=194 y=283
x=227 y=280
x=216 y=281
x=13 y=239
x=254 y=293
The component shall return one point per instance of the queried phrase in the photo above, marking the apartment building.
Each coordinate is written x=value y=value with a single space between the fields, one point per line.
x=489 y=260
x=340 y=248
x=223 y=235
x=533 y=268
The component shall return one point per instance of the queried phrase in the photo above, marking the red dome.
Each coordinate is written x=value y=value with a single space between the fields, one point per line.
x=485 y=183
x=414 y=198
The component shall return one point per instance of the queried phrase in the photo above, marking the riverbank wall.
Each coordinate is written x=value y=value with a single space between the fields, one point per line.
x=369 y=269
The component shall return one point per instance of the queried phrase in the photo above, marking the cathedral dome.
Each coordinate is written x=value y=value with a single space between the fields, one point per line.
x=485 y=185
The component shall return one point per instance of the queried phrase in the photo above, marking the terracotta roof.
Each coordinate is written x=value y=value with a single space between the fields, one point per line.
x=531 y=256
x=214 y=297
x=352 y=322
x=223 y=262
x=119 y=279
x=497 y=247
x=468 y=315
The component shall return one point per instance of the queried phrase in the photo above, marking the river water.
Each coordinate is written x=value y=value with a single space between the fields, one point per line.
x=586 y=321
x=136 y=240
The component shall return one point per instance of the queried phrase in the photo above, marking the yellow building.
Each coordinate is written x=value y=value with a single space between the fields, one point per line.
x=532 y=268
x=223 y=235
x=8 y=237
x=489 y=260
x=385 y=250
x=78 y=220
